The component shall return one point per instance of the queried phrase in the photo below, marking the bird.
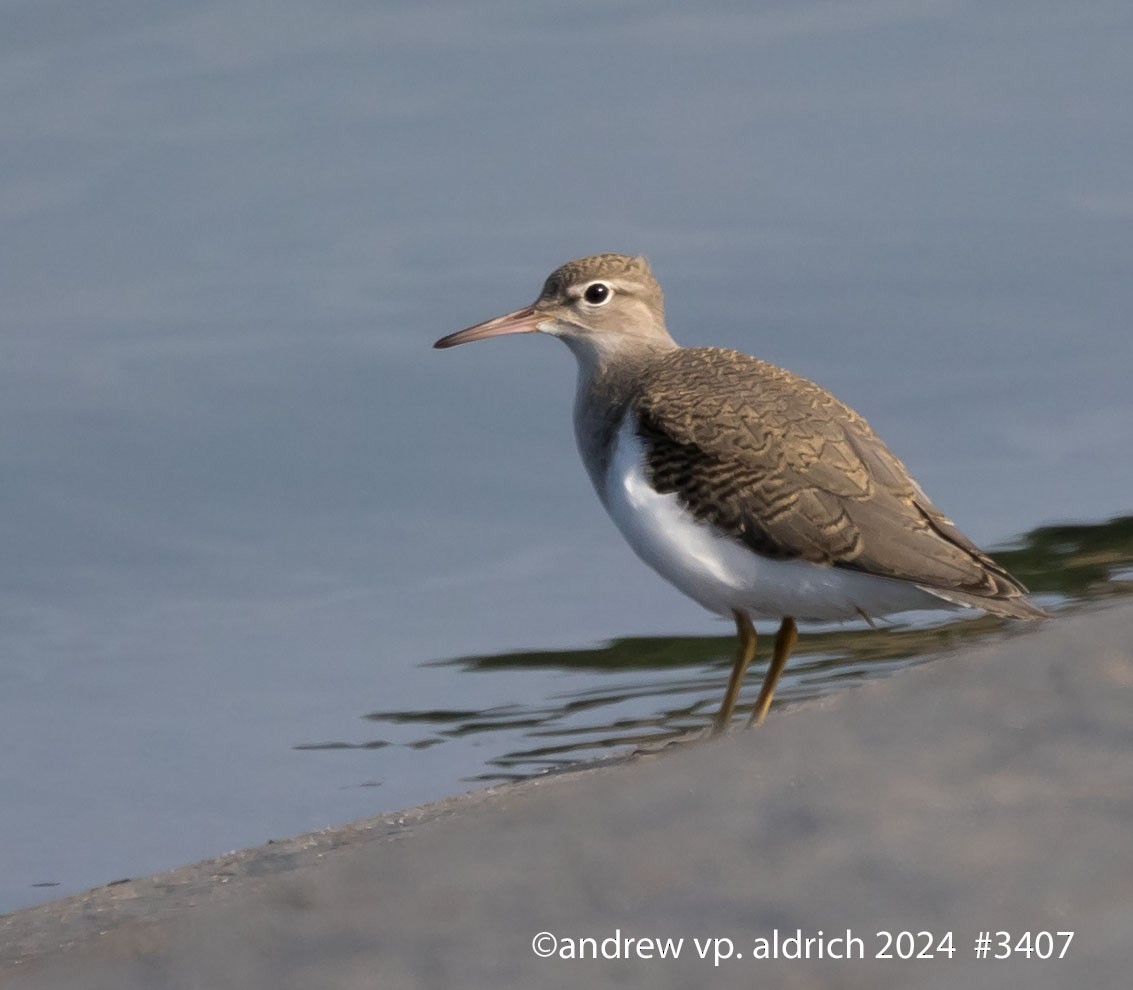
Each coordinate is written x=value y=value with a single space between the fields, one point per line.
x=751 y=489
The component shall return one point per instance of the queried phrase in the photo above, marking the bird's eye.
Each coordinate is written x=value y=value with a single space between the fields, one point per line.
x=597 y=293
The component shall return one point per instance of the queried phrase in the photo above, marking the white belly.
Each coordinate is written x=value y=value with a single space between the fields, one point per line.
x=722 y=574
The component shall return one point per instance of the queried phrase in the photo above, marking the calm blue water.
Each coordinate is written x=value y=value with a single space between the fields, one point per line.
x=244 y=504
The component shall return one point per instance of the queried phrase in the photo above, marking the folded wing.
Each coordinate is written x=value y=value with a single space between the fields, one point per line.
x=778 y=463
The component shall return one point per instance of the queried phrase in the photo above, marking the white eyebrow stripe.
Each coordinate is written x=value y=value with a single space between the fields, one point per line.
x=617 y=284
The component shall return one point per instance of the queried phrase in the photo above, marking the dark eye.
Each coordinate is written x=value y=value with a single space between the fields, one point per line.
x=597 y=293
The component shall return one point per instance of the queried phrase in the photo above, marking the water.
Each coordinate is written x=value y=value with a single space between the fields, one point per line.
x=647 y=692
x=249 y=517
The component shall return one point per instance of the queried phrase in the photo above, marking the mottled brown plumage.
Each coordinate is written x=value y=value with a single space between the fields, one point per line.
x=780 y=464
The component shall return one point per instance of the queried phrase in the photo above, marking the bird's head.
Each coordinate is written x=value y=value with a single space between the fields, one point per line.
x=598 y=305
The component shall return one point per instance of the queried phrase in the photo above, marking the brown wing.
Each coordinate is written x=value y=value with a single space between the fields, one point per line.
x=783 y=466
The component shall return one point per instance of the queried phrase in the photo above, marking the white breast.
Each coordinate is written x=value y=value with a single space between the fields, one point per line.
x=722 y=574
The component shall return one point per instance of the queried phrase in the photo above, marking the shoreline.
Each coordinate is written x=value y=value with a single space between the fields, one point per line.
x=990 y=788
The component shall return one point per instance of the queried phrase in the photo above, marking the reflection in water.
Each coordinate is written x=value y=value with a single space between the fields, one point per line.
x=645 y=692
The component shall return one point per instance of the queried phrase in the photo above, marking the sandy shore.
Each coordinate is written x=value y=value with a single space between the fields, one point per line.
x=989 y=791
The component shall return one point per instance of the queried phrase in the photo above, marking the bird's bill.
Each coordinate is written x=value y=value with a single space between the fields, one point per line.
x=524 y=320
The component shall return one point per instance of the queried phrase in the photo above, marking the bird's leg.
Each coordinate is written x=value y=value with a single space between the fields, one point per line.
x=784 y=642
x=745 y=651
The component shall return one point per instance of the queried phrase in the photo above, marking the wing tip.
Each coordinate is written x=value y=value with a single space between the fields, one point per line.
x=1015 y=605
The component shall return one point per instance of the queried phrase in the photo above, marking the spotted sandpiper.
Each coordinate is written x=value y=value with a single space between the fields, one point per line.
x=752 y=490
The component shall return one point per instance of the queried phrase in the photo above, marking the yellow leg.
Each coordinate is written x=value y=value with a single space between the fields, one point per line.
x=784 y=643
x=744 y=654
